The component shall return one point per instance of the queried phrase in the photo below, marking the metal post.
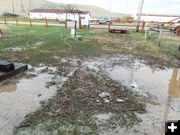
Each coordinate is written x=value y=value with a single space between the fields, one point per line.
x=139 y=14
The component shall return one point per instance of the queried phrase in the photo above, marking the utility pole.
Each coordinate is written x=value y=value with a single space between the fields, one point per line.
x=110 y=5
x=29 y=6
x=22 y=7
x=139 y=14
x=12 y=5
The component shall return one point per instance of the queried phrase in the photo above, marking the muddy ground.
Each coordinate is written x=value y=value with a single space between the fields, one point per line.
x=85 y=95
x=89 y=85
x=114 y=94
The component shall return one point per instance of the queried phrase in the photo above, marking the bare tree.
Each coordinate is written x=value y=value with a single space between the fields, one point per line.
x=70 y=9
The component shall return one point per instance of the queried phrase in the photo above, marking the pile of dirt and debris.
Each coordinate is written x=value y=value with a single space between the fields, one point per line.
x=86 y=94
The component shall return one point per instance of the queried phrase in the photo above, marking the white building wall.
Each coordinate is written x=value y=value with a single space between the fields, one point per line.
x=85 y=18
x=71 y=16
x=157 y=19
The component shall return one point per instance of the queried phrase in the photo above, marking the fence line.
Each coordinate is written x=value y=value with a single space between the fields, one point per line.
x=130 y=25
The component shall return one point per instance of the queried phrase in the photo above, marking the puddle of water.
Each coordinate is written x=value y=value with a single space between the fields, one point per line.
x=36 y=44
x=8 y=88
x=161 y=84
x=14 y=49
x=17 y=100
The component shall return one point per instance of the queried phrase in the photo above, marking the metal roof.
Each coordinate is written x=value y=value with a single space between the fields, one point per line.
x=160 y=15
x=58 y=11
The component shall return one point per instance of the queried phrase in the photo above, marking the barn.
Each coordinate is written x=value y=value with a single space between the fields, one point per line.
x=61 y=14
x=159 y=17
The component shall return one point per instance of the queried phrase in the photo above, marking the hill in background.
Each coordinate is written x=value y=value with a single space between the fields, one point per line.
x=26 y=5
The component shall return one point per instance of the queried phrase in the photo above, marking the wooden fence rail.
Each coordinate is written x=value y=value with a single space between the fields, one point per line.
x=130 y=25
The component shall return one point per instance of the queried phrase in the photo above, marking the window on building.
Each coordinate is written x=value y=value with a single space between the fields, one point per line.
x=82 y=17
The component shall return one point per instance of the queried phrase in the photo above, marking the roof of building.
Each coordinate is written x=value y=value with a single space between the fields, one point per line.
x=58 y=11
x=159 y=15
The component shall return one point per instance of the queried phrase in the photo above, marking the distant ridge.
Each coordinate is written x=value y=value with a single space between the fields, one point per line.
x=24 y=8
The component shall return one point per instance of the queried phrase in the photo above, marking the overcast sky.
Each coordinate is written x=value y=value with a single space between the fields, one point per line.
x=131 y=6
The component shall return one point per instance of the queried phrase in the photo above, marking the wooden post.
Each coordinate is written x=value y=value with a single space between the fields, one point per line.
x=150 y=32
x=109 y=26
x=17 y=21
x=143 y=25
x=160 y=35
x=1 y=34
x=66 y=24
x=5 y=20
x=46 y=23
x=66 y=20
x=145 y=30
x=80 y=27
x=89 y=25
x=30 y=22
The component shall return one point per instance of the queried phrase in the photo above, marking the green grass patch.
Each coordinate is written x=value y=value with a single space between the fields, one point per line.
x=57 y=42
